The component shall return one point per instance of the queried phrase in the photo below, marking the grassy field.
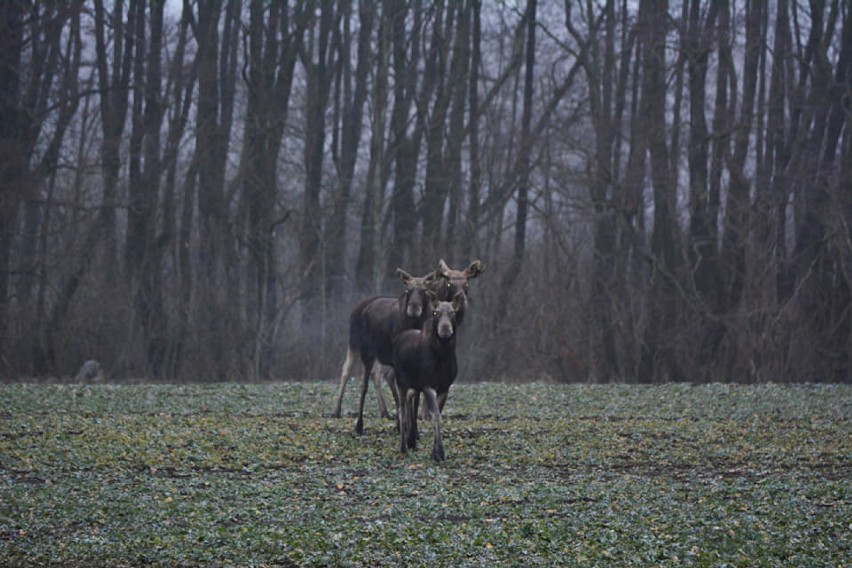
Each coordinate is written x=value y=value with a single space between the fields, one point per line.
x=535 y=474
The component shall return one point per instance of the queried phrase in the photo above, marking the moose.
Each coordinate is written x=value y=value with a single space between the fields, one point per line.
x=376 y=321
x=373 y=324
x=448 y=282
x=425 y=362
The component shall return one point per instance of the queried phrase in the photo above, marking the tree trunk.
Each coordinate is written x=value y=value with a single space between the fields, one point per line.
x=13 y=160
x=367 y=267
x=406 y=147
x=113 y=86
x=311 y=253
x=273 y=50
x=181 y=87
x=352 y=101
x=658 y=360
x=702 y=248
x=216 y=79
x=601 y=82
x=521 y=173
x=823 y=292
x=114 y=91
x=738 y=203
x=144 y=251
x=467 y=244
x=435 y=183
x=459 y=72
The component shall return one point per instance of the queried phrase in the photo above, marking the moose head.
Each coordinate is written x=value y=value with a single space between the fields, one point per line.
x=449 y=281
x=412 y=302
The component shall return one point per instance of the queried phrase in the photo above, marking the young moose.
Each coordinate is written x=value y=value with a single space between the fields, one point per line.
x=425 y=361
x=373 y=325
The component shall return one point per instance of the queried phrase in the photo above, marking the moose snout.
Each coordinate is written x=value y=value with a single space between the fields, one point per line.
x=445 y=331
x=415 y=311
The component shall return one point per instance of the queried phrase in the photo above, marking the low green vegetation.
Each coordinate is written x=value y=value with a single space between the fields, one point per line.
x=258 y=475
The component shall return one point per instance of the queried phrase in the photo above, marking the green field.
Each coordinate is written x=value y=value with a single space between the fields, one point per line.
x=258 y=475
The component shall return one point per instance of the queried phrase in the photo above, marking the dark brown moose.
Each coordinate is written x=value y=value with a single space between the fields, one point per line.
x=425 y=362
x=448 y=282
x=373 y=324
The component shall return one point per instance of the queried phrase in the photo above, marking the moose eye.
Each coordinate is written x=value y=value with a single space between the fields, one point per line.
x=449 y=285
x=435 y=313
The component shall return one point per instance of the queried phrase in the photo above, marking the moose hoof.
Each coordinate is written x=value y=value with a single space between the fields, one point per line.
x=359 y=428
x=438 y=456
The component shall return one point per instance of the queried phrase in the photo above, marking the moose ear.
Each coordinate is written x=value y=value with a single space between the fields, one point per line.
x=404 y=276
x=443 y=269
x=475 y=269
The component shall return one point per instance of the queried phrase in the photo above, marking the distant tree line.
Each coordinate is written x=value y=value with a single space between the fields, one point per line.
x=201 y=190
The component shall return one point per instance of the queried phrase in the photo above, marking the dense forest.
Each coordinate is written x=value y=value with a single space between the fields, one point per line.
x=202 y=190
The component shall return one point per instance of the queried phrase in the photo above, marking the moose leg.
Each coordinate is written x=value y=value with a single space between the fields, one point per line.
x=442 y=400
x=432 y=405
x=344 y=378
x=415 y=406
x=377 y=381
x=368 y=368
x=411 y=418
x=390 y=379
x=424 y=414
x=403 y=420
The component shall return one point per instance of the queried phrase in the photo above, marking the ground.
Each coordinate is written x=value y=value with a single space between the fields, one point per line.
x=260 y=475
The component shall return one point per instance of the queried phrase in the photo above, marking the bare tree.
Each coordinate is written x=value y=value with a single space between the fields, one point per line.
x=822 y=287
x=521 y=174
x=144 y=250
x=658 y=349
x=367 y=271
x=114 y=75
x=113 y=89
x=405 y=145
x=350 y=99
x=606 y=86
x=318 y=63
x=39 y=82
x=163 y=216
x=274 y=38
x=436 y=178
x=177 y=200
x=702 y=250
x=471 y=219
x=217 y=59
